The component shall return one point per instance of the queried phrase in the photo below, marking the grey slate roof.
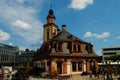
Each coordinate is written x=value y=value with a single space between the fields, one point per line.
x=70 y=55
x=66 y=36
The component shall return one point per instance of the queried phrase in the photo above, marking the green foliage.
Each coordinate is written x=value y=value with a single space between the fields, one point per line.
x=114 y=57
x=36 y=71
x=54 y=73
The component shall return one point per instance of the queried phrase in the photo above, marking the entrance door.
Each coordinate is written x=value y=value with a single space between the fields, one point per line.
x=92 y=66
x=59 y=67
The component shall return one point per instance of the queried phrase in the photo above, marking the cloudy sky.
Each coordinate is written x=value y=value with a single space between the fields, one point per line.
x=95 y=21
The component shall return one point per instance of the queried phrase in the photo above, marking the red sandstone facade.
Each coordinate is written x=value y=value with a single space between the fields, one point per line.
x=63 y=52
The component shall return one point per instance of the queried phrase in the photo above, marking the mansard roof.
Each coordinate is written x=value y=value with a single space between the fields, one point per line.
x=66 y=36
x=70 y=55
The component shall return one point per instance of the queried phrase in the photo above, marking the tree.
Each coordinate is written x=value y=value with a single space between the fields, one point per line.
x=36 y=71
x=114 y=57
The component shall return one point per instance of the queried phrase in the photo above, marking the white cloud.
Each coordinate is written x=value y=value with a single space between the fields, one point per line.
x=88 y=34
x=21 y=24
x=105 y=40
x=103 y=35
x=4 y=35
x=80 y=4
x=95 y=35
x=20 y=1
x=11 y=44
x=22 y=19
x=118 y=37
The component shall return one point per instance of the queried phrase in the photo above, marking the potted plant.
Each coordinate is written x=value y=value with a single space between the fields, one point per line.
x=55 y=74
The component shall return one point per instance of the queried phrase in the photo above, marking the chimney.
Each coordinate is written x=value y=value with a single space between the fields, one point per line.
x=63 y=27
x=58 y=31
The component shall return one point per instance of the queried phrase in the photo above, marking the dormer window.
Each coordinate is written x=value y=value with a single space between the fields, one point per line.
x=74 y=48
x=59 y=46
x=77 y=48
x=70 y=37
x=89 y=48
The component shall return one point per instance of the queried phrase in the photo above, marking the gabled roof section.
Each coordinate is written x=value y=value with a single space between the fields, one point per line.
x=66 y=36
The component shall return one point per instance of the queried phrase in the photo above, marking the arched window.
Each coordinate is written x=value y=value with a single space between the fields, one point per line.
x=59 y=46
x=47 y=34
x=92 y=66
x=79 y=48
x=74 y=68
x=79 y=66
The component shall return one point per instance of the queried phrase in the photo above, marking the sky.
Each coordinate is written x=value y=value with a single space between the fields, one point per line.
x=94 y=21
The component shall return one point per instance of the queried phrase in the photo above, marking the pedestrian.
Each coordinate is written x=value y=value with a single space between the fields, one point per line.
x=110 y=77
x=90 y=75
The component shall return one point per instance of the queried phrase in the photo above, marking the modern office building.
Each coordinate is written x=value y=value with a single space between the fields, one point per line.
x=108 y=51
x=7 y=54
x=110 y=65
x=23 y=57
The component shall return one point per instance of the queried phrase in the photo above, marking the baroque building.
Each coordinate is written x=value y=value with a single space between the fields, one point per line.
x=63 y=52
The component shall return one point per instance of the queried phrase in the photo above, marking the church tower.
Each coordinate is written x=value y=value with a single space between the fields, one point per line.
x=50 y=29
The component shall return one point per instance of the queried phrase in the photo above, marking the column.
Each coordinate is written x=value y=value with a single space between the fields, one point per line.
x=69 y=66
x=84 y=65
x=88 y=66
x=52 y=66
x=65 y=67
x=96 y=65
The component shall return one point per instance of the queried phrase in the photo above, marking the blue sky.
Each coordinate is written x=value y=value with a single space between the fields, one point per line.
x=95 y=21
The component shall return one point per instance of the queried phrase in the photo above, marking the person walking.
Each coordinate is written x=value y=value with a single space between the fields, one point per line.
x=90 y=75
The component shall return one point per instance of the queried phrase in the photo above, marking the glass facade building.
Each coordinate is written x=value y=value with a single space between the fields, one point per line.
x=7 y=54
